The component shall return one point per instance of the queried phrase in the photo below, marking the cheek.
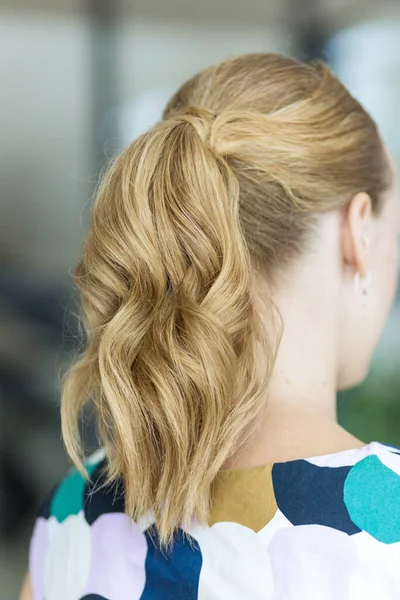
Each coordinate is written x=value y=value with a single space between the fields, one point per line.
x=394 y=270
x=389 y=273
x=387 y=253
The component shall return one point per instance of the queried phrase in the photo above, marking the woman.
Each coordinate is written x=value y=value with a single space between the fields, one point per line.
x=239 y=269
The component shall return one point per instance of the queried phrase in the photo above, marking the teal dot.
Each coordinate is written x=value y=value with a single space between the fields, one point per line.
x=372 y=497
x=68 y=497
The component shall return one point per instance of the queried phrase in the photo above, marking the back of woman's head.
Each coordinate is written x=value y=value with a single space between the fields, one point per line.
x=226 y=186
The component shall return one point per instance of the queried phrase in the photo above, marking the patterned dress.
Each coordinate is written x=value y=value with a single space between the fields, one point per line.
x=324 y=528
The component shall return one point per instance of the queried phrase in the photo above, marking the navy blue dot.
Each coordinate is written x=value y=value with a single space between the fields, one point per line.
x=308 y=494
x=100 y=497
x=174 y=573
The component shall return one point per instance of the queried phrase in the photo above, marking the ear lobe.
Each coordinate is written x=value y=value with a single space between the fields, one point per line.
x=356 y=231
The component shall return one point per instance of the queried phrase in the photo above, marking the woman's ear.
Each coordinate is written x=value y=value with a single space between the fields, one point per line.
x=357 y=230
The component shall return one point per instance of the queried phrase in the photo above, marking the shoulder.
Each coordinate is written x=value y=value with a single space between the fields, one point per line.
x=75 y=494
x=352 y=491
x=372 y=493
x=62 y=531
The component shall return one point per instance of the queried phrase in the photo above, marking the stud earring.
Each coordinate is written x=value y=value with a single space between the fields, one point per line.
x=362 y=283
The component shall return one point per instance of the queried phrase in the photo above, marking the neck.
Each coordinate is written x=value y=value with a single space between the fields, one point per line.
x=305 y=371
x=301 y=418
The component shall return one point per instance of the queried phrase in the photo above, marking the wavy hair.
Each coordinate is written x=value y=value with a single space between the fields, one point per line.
x=190 y=223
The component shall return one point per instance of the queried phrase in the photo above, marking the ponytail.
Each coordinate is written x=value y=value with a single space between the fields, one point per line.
x=178 y=359
x=172 y=361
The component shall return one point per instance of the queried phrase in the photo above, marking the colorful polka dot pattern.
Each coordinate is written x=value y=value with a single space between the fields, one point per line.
x=335 y=535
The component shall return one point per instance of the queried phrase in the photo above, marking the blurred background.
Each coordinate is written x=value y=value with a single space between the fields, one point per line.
x=78 y=81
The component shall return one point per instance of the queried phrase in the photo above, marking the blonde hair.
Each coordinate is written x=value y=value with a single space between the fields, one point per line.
x=178 y=357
